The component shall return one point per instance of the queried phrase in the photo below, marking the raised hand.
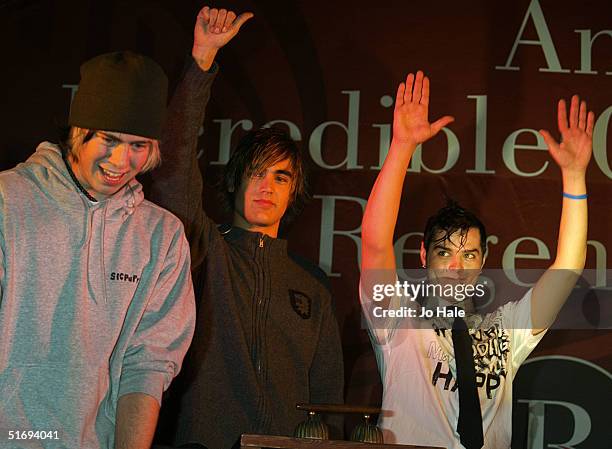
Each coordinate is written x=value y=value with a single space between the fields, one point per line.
x=410 y=119
x=213 y=29
x=574 y=152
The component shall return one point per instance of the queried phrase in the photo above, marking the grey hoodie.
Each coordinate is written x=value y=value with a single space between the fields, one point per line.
x=96 y=302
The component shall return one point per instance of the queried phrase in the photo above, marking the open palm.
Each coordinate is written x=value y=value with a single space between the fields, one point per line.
x=410 y=122
x=574 y=151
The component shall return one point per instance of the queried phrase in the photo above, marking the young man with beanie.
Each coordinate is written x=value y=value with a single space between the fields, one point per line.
x=266 y=335
x=447 y=379
x=96 y=305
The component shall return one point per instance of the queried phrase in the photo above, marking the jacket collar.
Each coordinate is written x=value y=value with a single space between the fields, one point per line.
x=253 y=241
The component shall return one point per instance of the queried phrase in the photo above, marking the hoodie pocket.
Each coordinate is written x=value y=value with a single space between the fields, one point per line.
x=52 y=397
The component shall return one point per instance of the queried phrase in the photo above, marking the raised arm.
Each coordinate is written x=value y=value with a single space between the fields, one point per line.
x=572 y=156
x=411 y=127
x=177 y=185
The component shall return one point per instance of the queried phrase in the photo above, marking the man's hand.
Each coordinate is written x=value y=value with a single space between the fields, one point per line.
x=410 y=123
x=213 y=29
x=572 y=155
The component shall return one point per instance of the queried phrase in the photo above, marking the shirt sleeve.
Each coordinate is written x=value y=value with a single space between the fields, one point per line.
x=516 y=317
x=177 y=185
x=156 y=349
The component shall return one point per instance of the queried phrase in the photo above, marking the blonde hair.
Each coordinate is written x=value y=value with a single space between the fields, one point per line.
x=77 y=137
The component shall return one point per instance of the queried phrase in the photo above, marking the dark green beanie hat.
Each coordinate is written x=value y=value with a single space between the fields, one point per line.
x=122 y=92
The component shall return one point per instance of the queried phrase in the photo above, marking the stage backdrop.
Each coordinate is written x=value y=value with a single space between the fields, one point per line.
x=327 y=71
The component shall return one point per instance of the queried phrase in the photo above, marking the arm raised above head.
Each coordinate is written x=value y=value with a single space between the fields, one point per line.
x=572 y=156
x=411 y=127
x=177 y=184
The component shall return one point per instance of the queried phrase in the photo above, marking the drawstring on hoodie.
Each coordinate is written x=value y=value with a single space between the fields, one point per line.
x=130 y=203
x=102 y=240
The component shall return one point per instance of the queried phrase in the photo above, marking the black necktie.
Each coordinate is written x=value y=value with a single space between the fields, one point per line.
x=469 y=425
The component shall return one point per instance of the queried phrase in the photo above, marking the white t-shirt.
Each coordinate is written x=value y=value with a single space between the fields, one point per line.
x=420 y=402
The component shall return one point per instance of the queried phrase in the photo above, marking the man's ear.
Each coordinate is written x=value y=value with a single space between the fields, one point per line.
x=423 y=254
x=484 y=256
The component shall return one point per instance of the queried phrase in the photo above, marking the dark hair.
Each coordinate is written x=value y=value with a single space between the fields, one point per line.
x=450 y=219
x=258 y=150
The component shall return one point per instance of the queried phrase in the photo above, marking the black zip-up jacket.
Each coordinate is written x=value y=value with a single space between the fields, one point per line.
x=266 y=334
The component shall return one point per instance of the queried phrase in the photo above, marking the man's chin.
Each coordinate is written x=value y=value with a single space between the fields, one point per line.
x=449 y=281
x=453 y=280
x=107 y=191
x=263 y=221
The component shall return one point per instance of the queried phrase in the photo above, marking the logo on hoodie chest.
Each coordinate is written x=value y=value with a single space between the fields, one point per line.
x=124 y=277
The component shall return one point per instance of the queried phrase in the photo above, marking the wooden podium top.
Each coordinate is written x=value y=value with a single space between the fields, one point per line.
x=278 y=442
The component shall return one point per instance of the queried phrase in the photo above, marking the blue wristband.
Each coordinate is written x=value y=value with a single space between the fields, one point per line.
x=584 y=196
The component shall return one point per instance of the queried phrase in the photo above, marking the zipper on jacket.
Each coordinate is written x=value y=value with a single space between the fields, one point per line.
x=258 y=349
